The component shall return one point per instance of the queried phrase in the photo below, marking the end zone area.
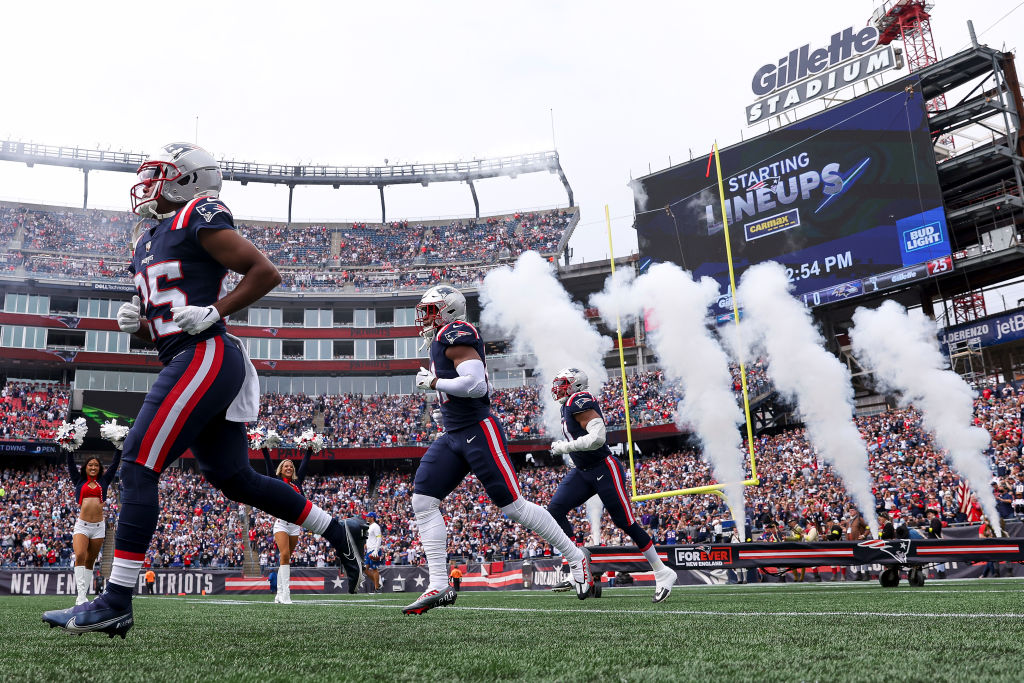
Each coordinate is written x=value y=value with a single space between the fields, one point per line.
x=947 y=630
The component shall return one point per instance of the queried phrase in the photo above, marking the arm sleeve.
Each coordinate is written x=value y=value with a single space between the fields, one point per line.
x=267 y=463
x=594 y=438
x=73 y=469
x=111 y=472
x=471 y=382
x=300 y=474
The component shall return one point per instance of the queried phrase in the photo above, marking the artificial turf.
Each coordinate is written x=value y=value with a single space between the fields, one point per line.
x=953 y=630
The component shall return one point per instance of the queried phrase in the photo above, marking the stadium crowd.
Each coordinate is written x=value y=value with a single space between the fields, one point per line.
x=319 y=257
x=199 y=527
x=93 y=245
x=32 y=411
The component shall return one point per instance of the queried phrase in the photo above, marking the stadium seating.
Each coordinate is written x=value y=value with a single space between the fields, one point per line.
x=92 y=245
x=198 y=525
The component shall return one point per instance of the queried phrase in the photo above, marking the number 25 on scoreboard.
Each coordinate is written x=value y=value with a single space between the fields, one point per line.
x=940 y=265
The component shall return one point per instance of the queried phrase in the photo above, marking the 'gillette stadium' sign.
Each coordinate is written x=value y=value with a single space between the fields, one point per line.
x=804 y=74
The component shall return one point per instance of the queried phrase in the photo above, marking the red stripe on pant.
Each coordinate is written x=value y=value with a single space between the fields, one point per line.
x=165 y=408
x=125 y=555
x=620 y=490
x=495 y=446
x=211 y=375
x=305 y=513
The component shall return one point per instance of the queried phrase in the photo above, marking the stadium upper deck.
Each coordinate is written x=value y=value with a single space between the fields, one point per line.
x=90 y=245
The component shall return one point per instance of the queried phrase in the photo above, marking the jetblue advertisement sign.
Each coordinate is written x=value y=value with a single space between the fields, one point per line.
x=989 y=332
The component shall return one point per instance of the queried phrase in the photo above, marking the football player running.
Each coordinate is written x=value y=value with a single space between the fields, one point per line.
x=597 y=471
x=472 y=441
x=207 y=388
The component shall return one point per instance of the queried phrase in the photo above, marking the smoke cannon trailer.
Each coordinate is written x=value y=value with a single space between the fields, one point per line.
x=910 y=554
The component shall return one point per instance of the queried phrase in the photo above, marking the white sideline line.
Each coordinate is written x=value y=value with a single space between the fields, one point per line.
x=694 y=613
x=702 y=613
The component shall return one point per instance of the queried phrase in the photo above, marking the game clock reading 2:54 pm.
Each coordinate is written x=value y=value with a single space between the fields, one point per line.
x=847 y=200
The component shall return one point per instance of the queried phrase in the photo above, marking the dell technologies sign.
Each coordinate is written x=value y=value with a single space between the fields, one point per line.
x=805 y=74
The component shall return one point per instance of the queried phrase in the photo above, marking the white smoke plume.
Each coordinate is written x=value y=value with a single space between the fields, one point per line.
x=690 y=357
x=902 y=350
x=639 y=196
x=528 y=304
x=808 y=375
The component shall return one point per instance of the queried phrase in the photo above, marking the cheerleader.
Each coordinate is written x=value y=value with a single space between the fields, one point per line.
x=286 y=535
x=91 y=482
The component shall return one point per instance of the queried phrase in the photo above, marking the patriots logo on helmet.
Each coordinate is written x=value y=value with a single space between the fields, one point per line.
x=452 y=335
x=177 y=149
x=445 y=290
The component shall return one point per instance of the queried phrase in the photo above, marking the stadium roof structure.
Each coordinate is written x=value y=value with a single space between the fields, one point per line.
x=291 y=175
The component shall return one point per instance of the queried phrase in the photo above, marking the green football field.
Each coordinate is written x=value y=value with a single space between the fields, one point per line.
x=950 y=630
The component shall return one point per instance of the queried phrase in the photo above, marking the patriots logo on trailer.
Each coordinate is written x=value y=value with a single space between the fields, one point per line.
x=452 y=335
x=897 y=550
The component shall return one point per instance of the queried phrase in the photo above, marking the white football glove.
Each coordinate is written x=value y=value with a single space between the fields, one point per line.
x=194 y=319
x=423 y=379
x=129 y=315
x=559 y=447
x=435 y=415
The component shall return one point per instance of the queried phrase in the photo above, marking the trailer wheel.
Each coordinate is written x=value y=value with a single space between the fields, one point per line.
x=915 y=577
x=890 y=577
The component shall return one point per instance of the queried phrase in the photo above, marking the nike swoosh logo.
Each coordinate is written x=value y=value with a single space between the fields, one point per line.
x=600 y=478
x=470 y=439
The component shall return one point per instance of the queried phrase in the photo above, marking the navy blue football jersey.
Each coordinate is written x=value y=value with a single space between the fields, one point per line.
x=458 y=411
x=171 y=268
x=575 y=404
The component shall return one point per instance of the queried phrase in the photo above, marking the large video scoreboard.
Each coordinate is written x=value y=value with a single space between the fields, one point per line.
x=847 y=200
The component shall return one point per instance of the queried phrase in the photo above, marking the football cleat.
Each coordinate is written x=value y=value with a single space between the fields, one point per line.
x=562 y=587
x=664 y=580
x=92 y=616
x=582 y=576
x=350 y=560
x=431 y=599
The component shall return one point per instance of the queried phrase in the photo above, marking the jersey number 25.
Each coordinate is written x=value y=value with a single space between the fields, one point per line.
x=152 y=294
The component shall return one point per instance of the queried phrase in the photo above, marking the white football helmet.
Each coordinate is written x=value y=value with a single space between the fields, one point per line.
x=439 y=306
x=567 y=382
x=179 y=172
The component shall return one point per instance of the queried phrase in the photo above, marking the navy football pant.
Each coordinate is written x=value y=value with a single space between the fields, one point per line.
x=608 y=481
x=480 y=449
x=185 y=409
